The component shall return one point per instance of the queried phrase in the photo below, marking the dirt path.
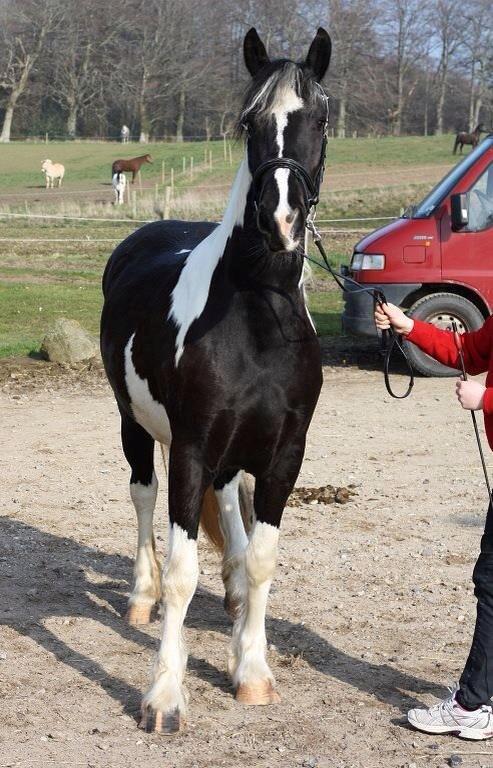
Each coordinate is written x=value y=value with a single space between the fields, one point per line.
x=371 y=610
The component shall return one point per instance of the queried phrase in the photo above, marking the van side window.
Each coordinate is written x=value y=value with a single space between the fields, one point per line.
x=480 y=202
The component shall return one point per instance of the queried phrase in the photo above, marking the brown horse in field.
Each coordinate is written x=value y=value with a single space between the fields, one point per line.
x=468 y=138
x=132 y=165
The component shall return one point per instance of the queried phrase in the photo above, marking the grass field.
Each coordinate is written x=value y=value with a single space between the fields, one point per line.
x=51 y=276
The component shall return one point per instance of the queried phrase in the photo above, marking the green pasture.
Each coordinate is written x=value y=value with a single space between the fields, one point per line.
x=91 y=161
x=41 y=280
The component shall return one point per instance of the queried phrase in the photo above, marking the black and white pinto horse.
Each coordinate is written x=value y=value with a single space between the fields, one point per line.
x=211 y=351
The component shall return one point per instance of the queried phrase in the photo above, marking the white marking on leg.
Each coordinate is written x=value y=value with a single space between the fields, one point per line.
x=248 y=664
x=147 y=573
x=191 y=292
x=147 y=412
x=167 y=693
x=235 y=542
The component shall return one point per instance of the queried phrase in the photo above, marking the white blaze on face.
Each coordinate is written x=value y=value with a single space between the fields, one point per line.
x=287 y=102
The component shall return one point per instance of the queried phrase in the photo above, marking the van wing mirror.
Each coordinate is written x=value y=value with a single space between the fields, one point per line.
x=459 y=211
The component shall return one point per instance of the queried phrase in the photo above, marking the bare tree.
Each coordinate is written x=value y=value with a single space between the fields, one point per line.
x=24 y=26
x=404 y=37
x=443 y=20
x=79 y=58
x=351 y=23
x=477 y=44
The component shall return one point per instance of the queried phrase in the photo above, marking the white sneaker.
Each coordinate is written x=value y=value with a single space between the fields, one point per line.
x=449 y=717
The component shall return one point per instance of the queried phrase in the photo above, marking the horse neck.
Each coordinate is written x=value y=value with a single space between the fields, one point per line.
x=246 y=258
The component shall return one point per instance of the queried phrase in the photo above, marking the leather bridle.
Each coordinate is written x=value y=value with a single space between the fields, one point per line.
x=310 y=186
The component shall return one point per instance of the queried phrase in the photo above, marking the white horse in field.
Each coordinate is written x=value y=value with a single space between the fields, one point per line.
x=125 y=134
x=119 y=182
x=53 y=172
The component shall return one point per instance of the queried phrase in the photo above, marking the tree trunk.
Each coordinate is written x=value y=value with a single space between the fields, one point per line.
x=72 y=121
x=341 y=118
x=477 y=110
x=440 y=105
x=7 y=120
x=471 y=95
x=180 y=120
x=397 y=125
x=442 y=87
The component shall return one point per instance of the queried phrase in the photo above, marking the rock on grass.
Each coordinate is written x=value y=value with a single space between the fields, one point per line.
x=68 y=342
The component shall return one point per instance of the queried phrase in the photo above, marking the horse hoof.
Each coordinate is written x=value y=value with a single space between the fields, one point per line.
x=138 y=614
x=257 y=694
x=167 y=723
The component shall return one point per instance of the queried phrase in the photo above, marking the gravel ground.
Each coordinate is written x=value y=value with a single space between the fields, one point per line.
x=371 y=610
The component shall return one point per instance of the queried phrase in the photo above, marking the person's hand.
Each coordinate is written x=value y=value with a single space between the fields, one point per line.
x=470 y=394
x=387 y=315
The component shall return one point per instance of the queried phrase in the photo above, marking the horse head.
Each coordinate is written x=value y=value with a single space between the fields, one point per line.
x=148 y=159
x=285 y=118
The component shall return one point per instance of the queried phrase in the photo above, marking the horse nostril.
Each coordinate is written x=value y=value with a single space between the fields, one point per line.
x=290 y=217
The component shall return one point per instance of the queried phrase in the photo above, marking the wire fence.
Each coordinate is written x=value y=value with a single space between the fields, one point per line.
x=8 y=214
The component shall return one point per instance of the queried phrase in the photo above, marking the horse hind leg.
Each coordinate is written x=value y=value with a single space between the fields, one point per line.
x=248 y=665
x=234 y=497
x=138 y=447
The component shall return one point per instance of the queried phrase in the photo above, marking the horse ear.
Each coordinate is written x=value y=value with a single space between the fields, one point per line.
x=254 y=52
x=318 y=58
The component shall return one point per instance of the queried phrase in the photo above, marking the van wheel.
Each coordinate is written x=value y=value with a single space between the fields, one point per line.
x=440 y=309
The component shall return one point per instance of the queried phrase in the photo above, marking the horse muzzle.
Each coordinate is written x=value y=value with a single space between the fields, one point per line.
x=281 y=231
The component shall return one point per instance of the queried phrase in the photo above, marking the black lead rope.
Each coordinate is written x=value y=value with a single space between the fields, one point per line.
x=390 y=340
x=458 y=344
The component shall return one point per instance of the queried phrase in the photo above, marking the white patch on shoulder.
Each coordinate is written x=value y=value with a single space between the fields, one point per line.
x=191 y=292
x=147 y=412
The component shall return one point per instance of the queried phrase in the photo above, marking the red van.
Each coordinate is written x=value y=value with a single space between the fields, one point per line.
x=436 y=261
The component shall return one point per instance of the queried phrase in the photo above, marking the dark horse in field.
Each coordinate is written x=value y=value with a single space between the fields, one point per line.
x=468 y=138
x=210 y=350
x=133 y=165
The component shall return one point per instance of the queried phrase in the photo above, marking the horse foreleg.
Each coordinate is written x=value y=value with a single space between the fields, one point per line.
x=138 y=447
x=164 y=705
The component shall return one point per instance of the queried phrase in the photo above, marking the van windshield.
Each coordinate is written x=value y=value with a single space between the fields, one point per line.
x=426 y=207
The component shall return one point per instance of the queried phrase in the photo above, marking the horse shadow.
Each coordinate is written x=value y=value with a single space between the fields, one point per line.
x=52 y=578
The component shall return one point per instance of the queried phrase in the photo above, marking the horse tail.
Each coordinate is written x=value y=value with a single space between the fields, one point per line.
x=457 y=140
x=209 y=515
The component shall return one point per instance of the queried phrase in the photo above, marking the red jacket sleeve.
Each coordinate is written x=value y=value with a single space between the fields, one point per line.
x=477 y=346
